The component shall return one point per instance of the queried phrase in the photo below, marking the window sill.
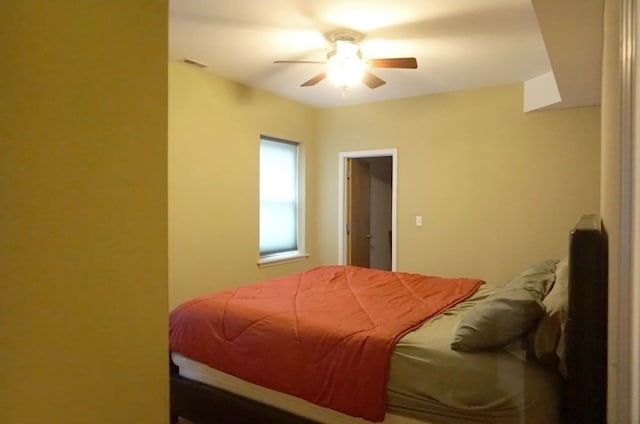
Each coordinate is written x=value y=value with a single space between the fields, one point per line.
x=281 y=259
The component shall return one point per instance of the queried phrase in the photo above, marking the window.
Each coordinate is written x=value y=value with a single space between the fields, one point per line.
x=281 y=235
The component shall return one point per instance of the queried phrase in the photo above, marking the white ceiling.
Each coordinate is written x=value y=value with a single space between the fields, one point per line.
x=459 y=44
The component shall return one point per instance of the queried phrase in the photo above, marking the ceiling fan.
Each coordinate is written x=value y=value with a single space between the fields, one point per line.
x=346 y=66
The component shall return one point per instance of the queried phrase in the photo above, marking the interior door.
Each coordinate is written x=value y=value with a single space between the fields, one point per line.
x=359 y=218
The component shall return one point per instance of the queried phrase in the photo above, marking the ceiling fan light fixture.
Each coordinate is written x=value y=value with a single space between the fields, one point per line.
x=345 y=66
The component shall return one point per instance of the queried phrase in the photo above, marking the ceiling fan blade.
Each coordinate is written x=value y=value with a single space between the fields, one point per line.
x=394 y=62
x=314 y=80
x=299 y=61
x=372 y=81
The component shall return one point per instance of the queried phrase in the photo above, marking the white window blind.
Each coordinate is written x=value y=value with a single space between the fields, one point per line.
x=278 y=197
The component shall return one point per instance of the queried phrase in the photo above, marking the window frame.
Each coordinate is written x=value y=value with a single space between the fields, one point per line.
x=300 y=253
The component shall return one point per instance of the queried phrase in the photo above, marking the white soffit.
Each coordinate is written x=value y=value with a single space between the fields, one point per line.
x=540 y=92
x=573 y=36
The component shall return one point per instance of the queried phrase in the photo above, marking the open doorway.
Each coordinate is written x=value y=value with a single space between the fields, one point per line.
x=367 y=209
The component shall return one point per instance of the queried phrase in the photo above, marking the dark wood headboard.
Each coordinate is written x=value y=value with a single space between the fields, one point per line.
x=586 y=337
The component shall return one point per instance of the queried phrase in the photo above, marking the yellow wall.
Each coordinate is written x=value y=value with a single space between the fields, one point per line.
x=83 y=239
x=497 y=188
x=214 y=134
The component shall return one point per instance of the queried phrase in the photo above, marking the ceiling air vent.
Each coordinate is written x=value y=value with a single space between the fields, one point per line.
x=194 y=63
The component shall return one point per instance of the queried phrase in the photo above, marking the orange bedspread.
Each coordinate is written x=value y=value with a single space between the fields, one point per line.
x=324 y=335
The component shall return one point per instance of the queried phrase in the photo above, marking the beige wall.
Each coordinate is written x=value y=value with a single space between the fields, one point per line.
x=83 y=245
x=476 y=167
x=497 y=188
x=214 y=132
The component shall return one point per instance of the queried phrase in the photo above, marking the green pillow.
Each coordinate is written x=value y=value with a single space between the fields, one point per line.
x=497 y=320
x=547 y=338
x=538 y=279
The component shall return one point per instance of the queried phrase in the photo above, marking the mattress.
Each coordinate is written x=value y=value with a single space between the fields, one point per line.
x=429 y=382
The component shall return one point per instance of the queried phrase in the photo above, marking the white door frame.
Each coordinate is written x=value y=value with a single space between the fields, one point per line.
x=626 y=313
x=342 y=200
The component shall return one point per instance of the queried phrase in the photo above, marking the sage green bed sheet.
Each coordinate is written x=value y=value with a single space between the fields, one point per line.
x=431 y=381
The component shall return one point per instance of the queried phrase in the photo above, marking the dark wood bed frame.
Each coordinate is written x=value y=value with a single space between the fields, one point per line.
x=586 y=350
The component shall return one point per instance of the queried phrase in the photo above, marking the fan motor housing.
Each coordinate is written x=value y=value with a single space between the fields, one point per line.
x=344 y=35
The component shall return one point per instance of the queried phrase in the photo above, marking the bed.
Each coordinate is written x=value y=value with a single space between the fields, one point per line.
x=458 y=365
